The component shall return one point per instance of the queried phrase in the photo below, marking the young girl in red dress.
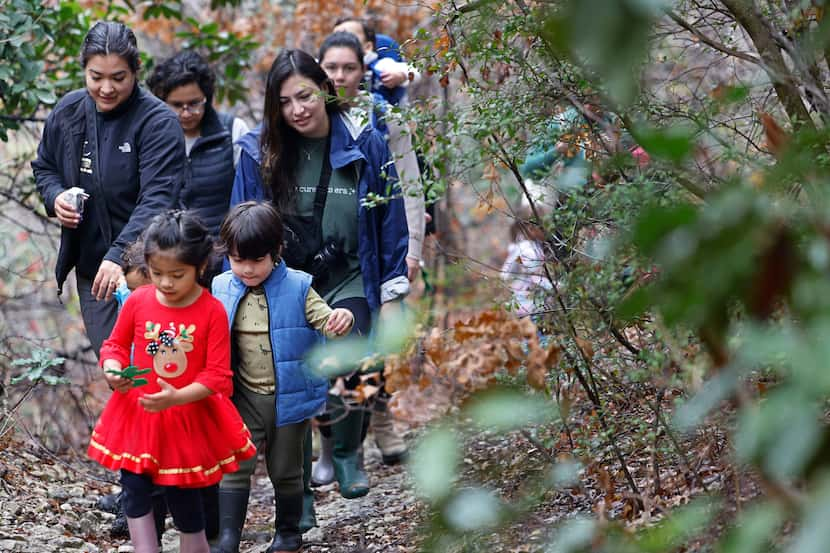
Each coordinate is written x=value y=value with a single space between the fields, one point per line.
x=178 y=430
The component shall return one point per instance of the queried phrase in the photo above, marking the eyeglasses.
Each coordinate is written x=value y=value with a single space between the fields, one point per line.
x=195 y=107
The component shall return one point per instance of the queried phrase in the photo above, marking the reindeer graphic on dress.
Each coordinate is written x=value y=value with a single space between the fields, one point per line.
x=169 y=348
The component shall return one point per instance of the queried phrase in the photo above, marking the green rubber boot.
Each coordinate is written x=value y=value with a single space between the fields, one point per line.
x=347 y=439
x=308 y=520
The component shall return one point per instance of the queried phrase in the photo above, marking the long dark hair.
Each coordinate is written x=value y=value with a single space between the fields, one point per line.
x=280 y=142
x=342 y=39
x=182 y=69
x=110 y=37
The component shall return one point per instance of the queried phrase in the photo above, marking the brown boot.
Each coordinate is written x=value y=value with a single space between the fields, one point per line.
x=387 y=437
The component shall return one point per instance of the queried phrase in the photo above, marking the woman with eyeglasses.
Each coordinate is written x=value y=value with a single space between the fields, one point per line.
x=186 y=83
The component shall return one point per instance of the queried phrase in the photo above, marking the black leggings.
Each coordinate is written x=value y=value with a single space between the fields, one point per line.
x=185 y=504
x=362 y=325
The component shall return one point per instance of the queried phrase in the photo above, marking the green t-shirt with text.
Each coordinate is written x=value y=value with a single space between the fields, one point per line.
x=339 y=216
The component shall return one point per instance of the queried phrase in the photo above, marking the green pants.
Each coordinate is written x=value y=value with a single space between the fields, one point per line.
x=282 y=446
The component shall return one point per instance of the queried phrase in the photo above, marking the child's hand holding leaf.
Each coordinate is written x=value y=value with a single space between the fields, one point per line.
x=123 y=380
x=112 y=372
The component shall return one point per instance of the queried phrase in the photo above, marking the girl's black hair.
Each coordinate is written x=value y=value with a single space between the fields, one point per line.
x=182 y=69
x=341 y=39
x=368 y=30
x=184 y=233
x=252 y=230
x=111 y=37
x=280 y=142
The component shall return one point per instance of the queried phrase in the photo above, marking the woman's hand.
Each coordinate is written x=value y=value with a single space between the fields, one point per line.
x=340 y=321
x=167 y=397
x=391 y=312
x=107 y=279
x=116 y=382
x=413 y=268
x=65 y=211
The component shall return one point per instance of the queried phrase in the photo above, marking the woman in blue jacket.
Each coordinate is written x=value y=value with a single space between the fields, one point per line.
x=319 y=167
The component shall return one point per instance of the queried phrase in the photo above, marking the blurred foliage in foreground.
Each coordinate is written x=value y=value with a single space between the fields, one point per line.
x=688 y=287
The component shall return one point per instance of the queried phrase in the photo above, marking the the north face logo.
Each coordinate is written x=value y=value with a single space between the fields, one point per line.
x=125 y=148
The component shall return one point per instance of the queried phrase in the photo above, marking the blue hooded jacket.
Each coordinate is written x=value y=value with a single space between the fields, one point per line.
x=382 y=232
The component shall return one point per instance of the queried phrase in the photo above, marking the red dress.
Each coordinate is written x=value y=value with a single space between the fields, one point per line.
x=189 y=445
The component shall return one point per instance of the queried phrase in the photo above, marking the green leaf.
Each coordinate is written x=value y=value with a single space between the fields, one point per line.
x=671 y=143
x=473 y=509
x=635 y=304
x=681 y=525
x=575 y=536
x=46 y=96
x=691 y=413
x=655 y=222
x=337 y=357
x=814 y=533
x=754 y=530
x=434 y=464
x=504 y=410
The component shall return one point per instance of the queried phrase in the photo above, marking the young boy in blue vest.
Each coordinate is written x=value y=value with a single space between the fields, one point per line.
x=275 y=318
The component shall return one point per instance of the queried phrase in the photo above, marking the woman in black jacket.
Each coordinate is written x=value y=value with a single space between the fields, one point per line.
x=110 y=158
x=186 y=83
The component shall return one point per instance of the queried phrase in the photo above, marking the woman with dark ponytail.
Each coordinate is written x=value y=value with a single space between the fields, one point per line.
x=110 y=159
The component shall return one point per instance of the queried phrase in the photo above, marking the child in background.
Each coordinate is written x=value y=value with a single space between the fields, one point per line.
x=135 y=272
x=524 y=266
x=180 y=430
x=275 y=318
x=388 y=75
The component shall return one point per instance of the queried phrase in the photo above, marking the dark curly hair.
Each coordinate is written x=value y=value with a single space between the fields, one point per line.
x=182 y=69
x=368 y=31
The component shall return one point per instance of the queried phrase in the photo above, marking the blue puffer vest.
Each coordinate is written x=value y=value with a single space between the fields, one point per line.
x=209 y=171
x=299 y=394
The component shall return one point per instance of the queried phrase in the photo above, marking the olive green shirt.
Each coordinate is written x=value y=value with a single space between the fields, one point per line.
x=339 y=216
x=255 y=368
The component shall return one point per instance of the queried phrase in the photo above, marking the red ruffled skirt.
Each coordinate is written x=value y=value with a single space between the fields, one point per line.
x=189 y=446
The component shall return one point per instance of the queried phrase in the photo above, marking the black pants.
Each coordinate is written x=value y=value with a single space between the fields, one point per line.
x=99 y=316
x=185 y=504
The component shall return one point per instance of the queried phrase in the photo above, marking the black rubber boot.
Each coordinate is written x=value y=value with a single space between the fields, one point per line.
x=288 y=538
x=109 y=503
x=348 y=433
x=233 y=506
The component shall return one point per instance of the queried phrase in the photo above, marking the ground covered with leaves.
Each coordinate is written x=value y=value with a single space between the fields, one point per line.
x=47 y=502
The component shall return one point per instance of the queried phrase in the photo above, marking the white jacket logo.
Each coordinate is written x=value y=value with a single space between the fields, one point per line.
x=125 y=148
